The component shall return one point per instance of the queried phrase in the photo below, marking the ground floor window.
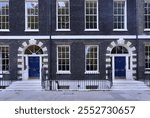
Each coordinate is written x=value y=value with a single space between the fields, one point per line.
x=4 y=58
x=63 y=59
x=147 y=57
x=91 y=58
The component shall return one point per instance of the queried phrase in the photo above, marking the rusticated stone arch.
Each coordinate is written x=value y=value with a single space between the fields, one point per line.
x=21 y=53
x=132 y=52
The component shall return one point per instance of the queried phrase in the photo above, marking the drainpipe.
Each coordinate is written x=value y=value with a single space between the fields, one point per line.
x=137 y=40
x=50 y=46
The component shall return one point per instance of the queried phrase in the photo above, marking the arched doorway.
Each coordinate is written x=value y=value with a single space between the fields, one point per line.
x=32 y=55
x=121 y=57
x=120 y=62
x=33 y=61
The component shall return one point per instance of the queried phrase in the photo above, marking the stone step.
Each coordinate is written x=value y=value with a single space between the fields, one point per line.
x=129 y=85
x=25 y=85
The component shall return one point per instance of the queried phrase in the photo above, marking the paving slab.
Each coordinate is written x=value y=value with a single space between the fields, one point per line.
x=75 y=95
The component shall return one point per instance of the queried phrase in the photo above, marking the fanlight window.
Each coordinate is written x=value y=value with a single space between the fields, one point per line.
x=33 y=50
x=119 y=50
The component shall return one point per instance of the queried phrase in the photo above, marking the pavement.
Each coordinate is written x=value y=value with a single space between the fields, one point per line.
x=115 y=95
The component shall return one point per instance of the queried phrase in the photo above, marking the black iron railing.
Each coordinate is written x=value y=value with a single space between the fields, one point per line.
x=81 y=84
x=43 y=80
x=110 y=76
x=5 y=80
x=78 y=84
x=147 y=78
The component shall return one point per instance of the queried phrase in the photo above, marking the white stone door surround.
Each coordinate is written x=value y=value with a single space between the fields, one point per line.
x=23 y=59
x=130 y=73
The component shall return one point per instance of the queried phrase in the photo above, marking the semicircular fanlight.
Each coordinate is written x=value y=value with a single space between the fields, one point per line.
x=34 y=49
x=119 y=50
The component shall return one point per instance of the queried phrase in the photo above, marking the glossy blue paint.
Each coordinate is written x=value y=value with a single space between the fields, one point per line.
x=120 y=63
x=34 y=67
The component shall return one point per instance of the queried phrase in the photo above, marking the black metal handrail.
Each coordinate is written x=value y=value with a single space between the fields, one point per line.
x=5 y=80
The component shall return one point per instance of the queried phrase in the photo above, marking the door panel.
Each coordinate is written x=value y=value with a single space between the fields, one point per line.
x=34 y=67
x=120 y=66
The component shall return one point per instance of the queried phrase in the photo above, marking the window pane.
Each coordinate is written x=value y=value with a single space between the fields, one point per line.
x=119 y=15
x=63 y=58
x=147 y=15
x=4 y=14
x=147 y=57
x=119 y=50
x=33 y=50
x=91 y=58
x=4 y=58
x=32 y=12
x=63 y=15
x=91 y=14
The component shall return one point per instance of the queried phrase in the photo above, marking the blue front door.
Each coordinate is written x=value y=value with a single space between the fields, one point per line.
x=120 y=69
x=34 y=67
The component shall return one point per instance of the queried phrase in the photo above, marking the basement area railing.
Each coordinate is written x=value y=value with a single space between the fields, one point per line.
x=5 y=80
x=147 y=78
x=77 y=84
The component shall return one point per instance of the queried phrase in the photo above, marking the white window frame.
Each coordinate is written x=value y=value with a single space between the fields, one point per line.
x=125 y=16
x=97 y=29
x=146 y=55
x=146 y=29
x=6 y=30
x=57 y=29
x=64 y=71
x=94 y=71
x=6 y=71
x=26 y=19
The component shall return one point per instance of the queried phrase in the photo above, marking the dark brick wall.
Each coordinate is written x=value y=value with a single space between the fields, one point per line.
x=141 y=58
x=47 y=24
x=140 y=18
x=47 y=18
x=78 y=58
x=17 y=18
x=105 y=18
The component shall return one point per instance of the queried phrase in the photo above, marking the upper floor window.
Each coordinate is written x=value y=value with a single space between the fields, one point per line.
x=63 y=15
x=4 y=15
x=91 y=59
x=4 y=58
x=31 y=15
x=120 y=15
x=91 y=14
x=147 y=14
x=63 y=59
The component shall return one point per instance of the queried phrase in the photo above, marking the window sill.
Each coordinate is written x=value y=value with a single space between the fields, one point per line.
x=91 y=72
x=63 y=30
x=63 y=72
x=120 y=30
x=91 y=30
x=147 y=72
x=31 y=30
x=4 y=72
x=146 y=30
x=4 y=30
